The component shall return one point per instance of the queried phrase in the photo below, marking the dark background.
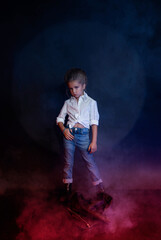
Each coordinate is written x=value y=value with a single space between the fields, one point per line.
x=118 y=44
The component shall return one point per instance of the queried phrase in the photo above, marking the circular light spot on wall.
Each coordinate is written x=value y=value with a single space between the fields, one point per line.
x=115 y=79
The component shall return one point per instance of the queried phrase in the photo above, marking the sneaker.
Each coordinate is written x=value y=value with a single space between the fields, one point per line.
x=66 y=193
x=102 y=195
x=105 y=197
x=100 y=188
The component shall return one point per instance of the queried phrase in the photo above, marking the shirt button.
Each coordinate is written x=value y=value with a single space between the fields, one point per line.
x=76 y=115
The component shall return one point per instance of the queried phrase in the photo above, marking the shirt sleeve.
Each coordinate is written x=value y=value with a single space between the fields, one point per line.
x=62 y=114
x=94 y=115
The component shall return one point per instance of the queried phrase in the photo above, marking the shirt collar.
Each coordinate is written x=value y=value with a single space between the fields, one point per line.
x=84 y=97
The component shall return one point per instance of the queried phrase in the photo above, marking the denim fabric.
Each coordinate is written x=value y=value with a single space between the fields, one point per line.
x=81 y=140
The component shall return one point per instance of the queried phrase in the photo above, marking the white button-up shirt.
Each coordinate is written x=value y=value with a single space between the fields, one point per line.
x=83 y=111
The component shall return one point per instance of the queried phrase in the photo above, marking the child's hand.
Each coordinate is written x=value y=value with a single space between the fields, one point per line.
x=68 y=135
x=92 y=147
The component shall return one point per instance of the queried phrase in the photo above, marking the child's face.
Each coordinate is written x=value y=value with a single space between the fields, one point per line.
x=76 y=88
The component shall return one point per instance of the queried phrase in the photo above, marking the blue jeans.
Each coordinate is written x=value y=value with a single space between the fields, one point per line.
x=81 y=140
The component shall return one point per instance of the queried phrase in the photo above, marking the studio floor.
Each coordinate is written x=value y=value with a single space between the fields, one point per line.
x=38 y=215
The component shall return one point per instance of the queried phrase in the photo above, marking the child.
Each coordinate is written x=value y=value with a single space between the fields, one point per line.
x=82 y=113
